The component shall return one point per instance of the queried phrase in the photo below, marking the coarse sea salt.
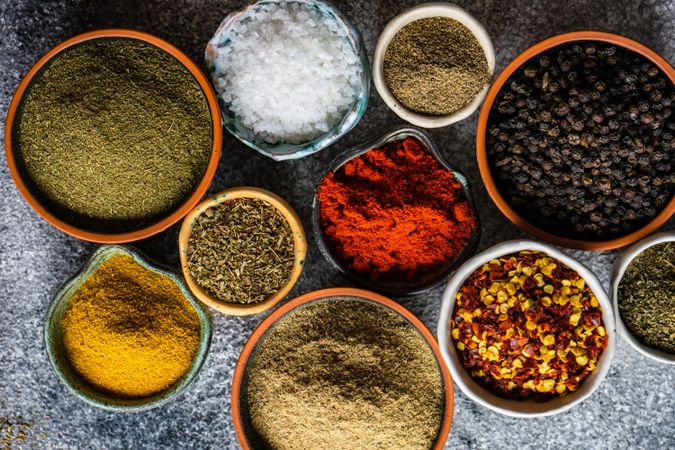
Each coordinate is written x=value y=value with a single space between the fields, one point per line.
x=290 y=73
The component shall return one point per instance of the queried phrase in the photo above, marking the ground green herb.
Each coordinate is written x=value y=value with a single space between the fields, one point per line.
x=647 y=297
x=115 y=132
x=241 y=251
x=435 y=66
x=344 y=374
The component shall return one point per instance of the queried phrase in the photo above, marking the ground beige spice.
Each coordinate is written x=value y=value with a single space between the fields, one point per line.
x=129 y=331
x=347 y=374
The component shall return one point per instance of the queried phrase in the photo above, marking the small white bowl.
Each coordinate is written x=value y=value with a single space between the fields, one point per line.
x=620 y=266
x=422 y=11
x=528 y=407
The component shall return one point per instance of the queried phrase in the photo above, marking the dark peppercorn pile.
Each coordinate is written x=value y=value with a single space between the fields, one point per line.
x=581 y=141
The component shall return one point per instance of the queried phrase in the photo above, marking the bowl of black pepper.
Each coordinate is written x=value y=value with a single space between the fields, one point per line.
x=575 y=142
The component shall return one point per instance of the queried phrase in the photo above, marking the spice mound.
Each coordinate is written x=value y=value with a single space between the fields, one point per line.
x=128 y=331
x=344 y=373
x=395 y=214
x=580 y=141
x=289 y=72
x=435 y=66
x=647 y=297
x=114 y=134
x=525 y=325
x=241 y=251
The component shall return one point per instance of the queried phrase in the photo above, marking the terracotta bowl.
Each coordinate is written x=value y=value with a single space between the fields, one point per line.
x=428 y=282
x=242 y=425
x=620 y=266
x=53 y=338
x=299 y=241
x=78 y=230
x=481 y=140
x=528 y=407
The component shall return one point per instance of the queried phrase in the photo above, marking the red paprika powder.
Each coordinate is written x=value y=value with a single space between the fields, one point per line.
x=395 y=213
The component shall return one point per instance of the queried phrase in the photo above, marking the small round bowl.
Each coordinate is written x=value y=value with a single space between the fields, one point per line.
x=484 y=119
x=423 y=11
x=53 y=337
x=101 y=236
x=283 y=151
x=299 y=243
x=396 y=289
x=620 y=266
x=528 y=407
x=242 y=426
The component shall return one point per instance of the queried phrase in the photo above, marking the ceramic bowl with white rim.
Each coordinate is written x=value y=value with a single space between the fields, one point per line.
x=620 y=266
x=423 y=11
x=526 y=407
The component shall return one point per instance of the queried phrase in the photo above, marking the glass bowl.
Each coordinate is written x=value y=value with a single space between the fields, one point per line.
x=284 y=151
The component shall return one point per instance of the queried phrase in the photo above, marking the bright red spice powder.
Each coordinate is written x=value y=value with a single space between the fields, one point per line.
x=395 y=213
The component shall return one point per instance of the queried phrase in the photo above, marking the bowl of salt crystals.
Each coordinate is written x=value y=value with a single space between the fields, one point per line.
x=291 y=77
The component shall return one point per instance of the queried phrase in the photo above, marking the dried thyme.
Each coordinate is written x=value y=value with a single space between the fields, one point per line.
x=344 y=373
x=435 y=66
x=114 y=133
x=647 y=297
x=241 y=251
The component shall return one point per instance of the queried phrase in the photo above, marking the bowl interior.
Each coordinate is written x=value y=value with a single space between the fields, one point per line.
x=284 y=151
x=526 y=407
x=489 y=115
x=247 y=434
x=425 y=282
x=53 y=335
x=299 y=243
x=79 y=225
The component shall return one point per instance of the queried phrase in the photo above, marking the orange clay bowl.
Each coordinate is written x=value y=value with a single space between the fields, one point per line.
x=299 y=244
x=154 y=228
x=241 y=424
x=481 y=136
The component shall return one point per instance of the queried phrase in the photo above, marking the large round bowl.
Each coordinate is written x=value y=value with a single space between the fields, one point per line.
x=53 y=338
x=484 y=118
x=284 y=151
x=240 y=418
x=620 y=266
x=102 y=236
x=522 y=408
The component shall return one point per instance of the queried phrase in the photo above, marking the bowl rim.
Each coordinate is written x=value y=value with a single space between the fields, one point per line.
x=481 y=136
x=511 y=407
x=325 y=294
x=106 y=402
x=394 y=134
x=299 y=244
x=199 y=190
x=351 y=118
x=421 y=11
x=619 y=269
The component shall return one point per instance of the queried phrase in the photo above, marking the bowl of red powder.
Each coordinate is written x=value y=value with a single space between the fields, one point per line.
x=394 y=216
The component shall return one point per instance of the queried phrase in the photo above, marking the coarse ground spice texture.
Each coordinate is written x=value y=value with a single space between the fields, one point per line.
x=344 y=373
x=395 y=213
x=526 y=325
x=129 y=331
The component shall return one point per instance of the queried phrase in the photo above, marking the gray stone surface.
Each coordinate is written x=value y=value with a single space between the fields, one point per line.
x=634 y=407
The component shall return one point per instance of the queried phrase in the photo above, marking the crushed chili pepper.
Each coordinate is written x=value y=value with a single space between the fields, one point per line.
x=395 y=213
x=526 y=325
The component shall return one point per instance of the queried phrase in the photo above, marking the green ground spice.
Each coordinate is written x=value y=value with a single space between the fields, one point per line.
x=241 y=251
x=344 y=373
x=114 y=132
x=647 y=297
x=435 y=66
x=13 y=432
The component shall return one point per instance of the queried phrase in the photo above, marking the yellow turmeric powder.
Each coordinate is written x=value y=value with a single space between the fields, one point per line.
x=129 y=331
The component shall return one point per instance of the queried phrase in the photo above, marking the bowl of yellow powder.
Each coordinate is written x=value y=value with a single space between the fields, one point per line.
x=124 y=335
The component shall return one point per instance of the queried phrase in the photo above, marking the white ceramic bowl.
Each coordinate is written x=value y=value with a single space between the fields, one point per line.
x=422 y=11
x=522 y=408
x=620 y=266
